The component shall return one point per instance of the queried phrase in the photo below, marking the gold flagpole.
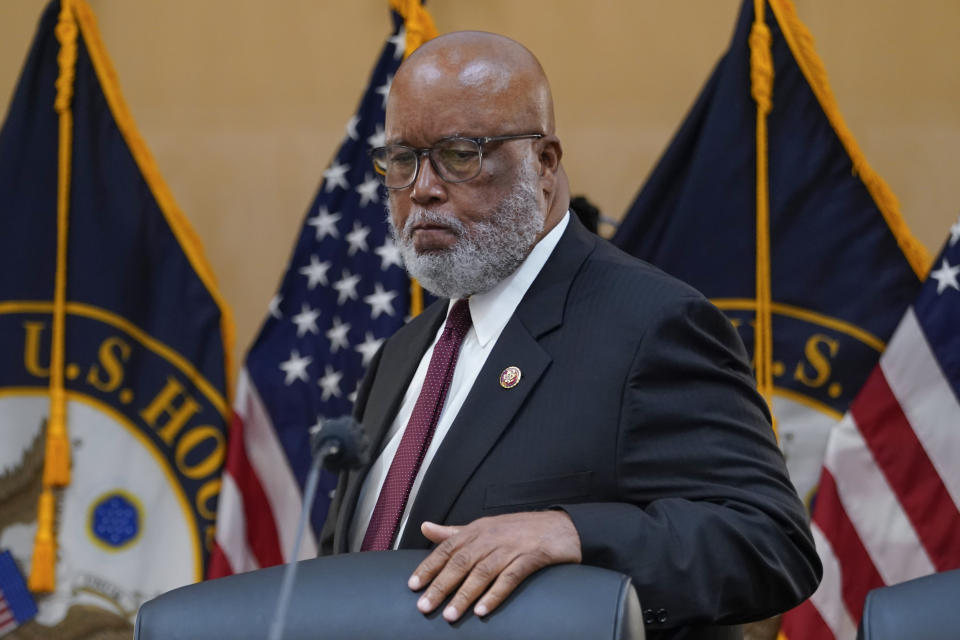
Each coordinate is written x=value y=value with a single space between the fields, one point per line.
x=419 y=27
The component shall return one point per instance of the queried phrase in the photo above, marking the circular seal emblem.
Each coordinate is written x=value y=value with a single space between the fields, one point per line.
x=510 y=377
x=115 y=520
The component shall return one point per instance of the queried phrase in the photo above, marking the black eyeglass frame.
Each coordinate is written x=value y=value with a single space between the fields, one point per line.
x=427 y=151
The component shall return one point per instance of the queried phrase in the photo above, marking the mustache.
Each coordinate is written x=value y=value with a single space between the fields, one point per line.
x=422 y=217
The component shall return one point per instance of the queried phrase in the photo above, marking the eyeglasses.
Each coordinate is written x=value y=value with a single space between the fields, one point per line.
x=455 y=159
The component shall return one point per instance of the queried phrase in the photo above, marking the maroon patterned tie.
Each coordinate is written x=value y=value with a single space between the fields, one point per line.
x=388 y=512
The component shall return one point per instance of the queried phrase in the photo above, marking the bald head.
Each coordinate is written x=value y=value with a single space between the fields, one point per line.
x=487 y=73
x=471 y=233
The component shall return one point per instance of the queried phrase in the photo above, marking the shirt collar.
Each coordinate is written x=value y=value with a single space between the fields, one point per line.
x=491 y=309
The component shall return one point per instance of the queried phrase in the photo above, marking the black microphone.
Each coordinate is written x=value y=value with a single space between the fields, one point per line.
x=341 y=443
x=337 y=444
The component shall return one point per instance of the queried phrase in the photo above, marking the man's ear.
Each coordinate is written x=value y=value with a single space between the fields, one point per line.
x=550 y=154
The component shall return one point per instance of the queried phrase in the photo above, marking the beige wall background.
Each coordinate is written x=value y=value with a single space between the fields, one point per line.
x=243 y=102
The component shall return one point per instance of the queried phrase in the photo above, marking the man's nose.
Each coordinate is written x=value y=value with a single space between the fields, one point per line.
x=427 y=186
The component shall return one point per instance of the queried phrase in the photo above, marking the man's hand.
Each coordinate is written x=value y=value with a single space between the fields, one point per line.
x=502 y=550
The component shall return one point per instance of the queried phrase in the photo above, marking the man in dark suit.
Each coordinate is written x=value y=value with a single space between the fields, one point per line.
x=575 y=404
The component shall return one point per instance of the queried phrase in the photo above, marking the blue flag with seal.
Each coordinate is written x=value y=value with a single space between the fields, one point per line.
x=764 y=202
x=113 y=394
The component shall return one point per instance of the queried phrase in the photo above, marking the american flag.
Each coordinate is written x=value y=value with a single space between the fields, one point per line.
x=888 y=507
x=16 y=603
x=343 y=293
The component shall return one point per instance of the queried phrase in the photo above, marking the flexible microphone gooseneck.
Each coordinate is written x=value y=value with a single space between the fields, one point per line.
x=336 y=444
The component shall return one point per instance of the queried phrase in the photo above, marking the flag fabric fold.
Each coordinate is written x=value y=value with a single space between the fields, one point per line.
x=119 y=344
x=343 y=293
x=775 y=215
x=888 y=509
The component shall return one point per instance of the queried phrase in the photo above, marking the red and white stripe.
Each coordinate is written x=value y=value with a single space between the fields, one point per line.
x=260 y=500
x=7 y=622
x=888 y=507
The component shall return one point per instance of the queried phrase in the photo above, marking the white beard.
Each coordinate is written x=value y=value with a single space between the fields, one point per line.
x=485 y=252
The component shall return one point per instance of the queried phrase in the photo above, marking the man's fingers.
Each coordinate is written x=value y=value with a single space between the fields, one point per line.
x=495 y=553
x=430 y=566
x=508 y=580
x=437 y=533
x=483 y=573
x=459 y=564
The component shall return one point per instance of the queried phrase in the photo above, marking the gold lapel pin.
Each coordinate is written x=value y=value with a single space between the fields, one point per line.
x=510 y=377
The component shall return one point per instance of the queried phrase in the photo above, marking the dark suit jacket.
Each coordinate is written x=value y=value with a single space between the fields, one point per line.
x=637 y=414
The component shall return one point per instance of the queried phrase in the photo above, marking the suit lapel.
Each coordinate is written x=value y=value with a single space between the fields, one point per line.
x=484 y=415
x=489 y=408
x=399 y=362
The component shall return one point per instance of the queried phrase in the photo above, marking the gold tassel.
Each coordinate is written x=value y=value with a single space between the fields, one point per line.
x=761 y=77
x=43 y=566
x=56 y=469
x=56 y=463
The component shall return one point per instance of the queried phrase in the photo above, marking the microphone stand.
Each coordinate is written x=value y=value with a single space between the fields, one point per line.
x=337 y=444
x=290 y=573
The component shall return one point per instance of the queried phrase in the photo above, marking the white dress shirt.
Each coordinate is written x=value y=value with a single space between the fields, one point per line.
x=490 y=312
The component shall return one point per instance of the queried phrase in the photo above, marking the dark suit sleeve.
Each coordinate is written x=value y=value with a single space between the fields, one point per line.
x=706 y=520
